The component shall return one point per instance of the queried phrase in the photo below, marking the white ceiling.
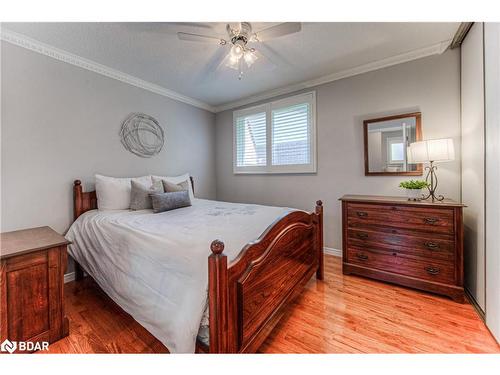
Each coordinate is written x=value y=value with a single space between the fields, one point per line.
x=152 y=52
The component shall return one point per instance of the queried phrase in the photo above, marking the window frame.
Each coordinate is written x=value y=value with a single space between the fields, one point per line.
x=307 y=97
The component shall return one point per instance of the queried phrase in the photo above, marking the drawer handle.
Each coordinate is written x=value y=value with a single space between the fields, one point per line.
x=362 y=236
x=362 y=256
x=432 y=245
x=361 y=213
x=431 y=220
x=432 y=270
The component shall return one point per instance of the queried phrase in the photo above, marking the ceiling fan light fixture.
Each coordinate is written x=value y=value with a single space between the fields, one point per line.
x=250 y=57
x=241 y=55
x=233 y=62
x=237 y=51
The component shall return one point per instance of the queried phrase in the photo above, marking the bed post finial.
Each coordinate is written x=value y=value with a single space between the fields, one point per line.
x=319 y=207
x=218 y=302
x=217 y=247
x=77 y=182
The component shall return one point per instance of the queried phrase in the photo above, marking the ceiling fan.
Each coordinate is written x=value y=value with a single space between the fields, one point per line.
x=244 y=42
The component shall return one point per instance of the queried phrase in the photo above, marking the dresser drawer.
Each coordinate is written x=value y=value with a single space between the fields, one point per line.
x=411 y=243
x=438 y=220
x=442 y=272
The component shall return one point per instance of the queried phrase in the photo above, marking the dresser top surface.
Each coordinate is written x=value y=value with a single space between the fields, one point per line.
x=399 y=200
x=29 y=240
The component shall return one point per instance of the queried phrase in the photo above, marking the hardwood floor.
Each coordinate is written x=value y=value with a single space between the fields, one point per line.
x=343 y=314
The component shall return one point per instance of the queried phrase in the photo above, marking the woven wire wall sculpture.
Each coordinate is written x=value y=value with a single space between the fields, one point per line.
x=142 y=135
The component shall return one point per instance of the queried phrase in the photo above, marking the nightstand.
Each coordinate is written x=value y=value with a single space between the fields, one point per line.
x=32 y=265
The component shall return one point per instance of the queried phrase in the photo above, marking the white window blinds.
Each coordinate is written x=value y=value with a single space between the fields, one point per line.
x=251 y=140
x=290 y=141
x=276 y=137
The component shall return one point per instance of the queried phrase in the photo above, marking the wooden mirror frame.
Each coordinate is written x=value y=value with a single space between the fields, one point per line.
x=418 y=136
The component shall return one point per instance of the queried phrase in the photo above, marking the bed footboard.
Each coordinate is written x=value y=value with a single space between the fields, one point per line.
x=247 y=298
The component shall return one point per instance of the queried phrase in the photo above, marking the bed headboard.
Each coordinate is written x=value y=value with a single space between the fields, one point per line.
x=83 y=202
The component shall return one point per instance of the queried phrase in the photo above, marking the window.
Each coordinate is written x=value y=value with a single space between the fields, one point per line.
x=395 y=150
x=251 y=140
x=277 y=137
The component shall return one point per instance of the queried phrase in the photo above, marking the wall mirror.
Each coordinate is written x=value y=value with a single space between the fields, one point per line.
x=386 y=141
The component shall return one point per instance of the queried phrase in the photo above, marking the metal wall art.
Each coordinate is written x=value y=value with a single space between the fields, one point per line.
x=142 y=135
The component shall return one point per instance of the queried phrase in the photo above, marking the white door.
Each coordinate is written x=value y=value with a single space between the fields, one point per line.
x=492 y=121
x=473 y=180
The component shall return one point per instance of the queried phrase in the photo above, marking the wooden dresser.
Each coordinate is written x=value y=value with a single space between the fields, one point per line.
x=414 y=244
x=32 y=265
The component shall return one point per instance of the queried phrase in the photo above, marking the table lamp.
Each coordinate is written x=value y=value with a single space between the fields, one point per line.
x=431 y=151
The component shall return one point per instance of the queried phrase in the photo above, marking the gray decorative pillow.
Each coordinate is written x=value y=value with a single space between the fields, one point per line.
x=170 y=187
x=139 y=195
x=170 y=201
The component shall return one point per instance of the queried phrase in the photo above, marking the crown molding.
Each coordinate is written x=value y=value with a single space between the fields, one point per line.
x=435 y=49
x=81 y=62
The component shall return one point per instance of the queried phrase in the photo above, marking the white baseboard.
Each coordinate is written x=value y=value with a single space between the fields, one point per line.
x=69 y=277
x=332 y=251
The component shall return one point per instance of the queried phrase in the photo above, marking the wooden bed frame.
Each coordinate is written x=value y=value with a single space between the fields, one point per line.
x=248 y=297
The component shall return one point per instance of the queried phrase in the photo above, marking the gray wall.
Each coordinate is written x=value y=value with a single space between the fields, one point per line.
x=60 y=123
x=430 y=85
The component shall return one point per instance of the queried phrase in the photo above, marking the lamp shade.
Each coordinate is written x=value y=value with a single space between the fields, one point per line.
x=436 y=150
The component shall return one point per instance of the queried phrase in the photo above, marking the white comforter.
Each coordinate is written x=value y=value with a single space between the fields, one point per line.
x=155 y=265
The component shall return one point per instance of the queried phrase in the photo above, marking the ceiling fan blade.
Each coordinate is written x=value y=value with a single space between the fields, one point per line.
x=264 y=62
x=279 y=30
x=213 y=66
x=166 y=28
x=197 y=25
x=271 y=55
x=200 y=38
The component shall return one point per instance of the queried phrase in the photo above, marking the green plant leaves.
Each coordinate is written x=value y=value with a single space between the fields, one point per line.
x=413 y=184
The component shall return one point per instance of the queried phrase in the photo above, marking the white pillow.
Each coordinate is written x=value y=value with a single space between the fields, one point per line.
x=114 y=193
x=177 y=180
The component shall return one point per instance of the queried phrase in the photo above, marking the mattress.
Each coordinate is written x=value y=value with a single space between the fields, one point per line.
x=155 y=266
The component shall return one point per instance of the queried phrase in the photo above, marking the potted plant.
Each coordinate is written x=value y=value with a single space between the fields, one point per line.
x=414 y=189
